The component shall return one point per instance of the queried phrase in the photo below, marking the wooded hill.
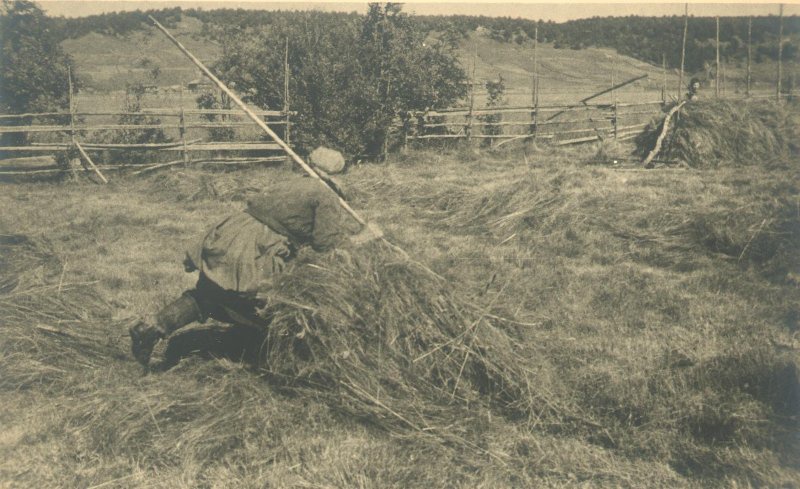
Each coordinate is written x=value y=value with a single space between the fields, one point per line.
x=644 y=38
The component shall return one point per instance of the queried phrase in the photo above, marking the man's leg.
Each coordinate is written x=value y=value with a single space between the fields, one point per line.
x=174 y=316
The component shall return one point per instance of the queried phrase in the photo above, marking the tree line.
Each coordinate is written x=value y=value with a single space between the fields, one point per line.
x=644 y=38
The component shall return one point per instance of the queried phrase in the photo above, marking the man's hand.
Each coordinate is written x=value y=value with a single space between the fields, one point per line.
x=368 y=233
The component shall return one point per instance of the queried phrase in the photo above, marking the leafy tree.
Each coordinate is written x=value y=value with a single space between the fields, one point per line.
x=402 y=72
x=350 y=75
x=33 y=67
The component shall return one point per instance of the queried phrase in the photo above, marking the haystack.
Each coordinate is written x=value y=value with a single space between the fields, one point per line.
x=384 y=340
x=718 y=132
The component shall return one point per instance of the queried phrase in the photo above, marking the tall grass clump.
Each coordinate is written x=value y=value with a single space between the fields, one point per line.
x=719 y=132
x=44 y=319
x=385 y=340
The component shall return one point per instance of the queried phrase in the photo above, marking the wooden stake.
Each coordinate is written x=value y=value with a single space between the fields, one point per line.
x=716 y=73
x=91 y=163
x=749 y=44
x=183 y=136
x=683 y=49
x=310 y=171
x=468 y=129
x=71 y=122
x=780 y=55
x=664 y=72
x=286 y=90
x=534 y=81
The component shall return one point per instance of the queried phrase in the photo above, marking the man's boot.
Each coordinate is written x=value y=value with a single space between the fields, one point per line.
x=174 y=316
x=144 y=338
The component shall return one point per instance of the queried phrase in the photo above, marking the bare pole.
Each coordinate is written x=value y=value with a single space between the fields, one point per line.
x=664 y=72
x=260 y=123
x=71 y=120
x=716 y=72
x=780 y=55
x=683 y=48
x=614 y=94
x=468 y=129
x=286 y=89
x=91 y=163
x=535 y=83
x=71 y=106
x=749 y=43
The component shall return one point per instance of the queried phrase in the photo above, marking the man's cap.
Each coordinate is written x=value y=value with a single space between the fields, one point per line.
x=327 y=160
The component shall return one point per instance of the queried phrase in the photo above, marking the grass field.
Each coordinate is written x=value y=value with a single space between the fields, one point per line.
x=660 y=310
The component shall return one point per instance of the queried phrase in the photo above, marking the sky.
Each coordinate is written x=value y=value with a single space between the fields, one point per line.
x=558 y=12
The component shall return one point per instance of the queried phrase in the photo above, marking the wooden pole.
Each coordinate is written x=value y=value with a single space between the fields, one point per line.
x=780 y=55
x=310 y=171
x=664 y=72
x=717 y=71
x=614 y=94
x=534 y=81
x=468 y=129
x=185 y=151
x=683 y=49
x=91 y=163
x=602 y=92
x=749 y=43
x=286 y=91
x=71 y=106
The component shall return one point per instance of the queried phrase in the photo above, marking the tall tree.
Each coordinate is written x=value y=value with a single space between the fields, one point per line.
x=33 y=67
x=350 y=76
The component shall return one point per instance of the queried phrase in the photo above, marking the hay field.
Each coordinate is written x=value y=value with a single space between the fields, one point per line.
x=659 y=310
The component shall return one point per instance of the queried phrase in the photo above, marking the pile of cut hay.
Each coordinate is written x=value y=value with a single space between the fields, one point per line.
x=719 y=132
x=46 y=327
x=384 y=340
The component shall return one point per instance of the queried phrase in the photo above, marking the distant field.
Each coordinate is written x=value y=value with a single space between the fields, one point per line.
x=565 y=75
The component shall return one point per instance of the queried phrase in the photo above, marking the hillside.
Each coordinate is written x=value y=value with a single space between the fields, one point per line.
x=109 y=62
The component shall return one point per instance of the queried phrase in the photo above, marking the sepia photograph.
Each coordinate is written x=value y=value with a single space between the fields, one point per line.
x=488 y=244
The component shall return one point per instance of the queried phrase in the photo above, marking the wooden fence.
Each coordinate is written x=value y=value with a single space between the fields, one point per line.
x=220 y=136
x=557 y=124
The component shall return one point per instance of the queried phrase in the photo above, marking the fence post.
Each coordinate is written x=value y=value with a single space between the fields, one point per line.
x=72 y=162
x=717 y=67
x=405 y=124
x=286 y=91
x=468 y=128
x=616 y=120
x=664 y=72
x=780 y=55
x=749 y=41
x=185 y=150
x=535 y=82
x=683 y=49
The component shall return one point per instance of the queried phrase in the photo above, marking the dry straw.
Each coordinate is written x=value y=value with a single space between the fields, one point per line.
x=386 y=341
x=719 y=132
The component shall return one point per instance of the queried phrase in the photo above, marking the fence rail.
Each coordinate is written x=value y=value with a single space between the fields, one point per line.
x=192 y=132
x=560 y=124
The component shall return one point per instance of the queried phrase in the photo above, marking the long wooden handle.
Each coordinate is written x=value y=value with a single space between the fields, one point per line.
x=260 y=123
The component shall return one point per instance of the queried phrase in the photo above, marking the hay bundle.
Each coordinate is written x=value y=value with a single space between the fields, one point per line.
x=384 y=340
x=45 y=321
x=710 y=133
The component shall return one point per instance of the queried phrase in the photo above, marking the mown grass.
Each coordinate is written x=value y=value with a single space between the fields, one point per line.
x=664 y=359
